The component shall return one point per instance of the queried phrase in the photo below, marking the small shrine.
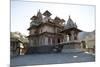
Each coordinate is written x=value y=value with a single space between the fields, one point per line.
x=71 y=35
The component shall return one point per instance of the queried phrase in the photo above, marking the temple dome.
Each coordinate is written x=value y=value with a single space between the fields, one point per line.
x=70 y=24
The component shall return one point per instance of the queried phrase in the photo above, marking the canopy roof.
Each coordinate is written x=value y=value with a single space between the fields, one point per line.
x=47 y=13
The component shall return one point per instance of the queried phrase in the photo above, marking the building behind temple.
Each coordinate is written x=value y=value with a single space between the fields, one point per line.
x=46 y=33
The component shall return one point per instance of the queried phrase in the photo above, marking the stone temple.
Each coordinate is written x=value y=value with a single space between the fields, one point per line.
x=52 y=35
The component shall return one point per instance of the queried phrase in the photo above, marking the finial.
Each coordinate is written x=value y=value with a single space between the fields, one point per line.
x=75 y=24
x=39 y=10
x=69 y=16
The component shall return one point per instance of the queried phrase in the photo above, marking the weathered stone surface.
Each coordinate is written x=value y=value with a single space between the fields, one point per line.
x=53 y=58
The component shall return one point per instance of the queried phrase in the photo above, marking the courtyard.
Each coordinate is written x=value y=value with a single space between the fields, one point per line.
x=52 y=58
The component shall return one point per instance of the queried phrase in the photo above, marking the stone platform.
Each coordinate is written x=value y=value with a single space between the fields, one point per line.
x=71 y=46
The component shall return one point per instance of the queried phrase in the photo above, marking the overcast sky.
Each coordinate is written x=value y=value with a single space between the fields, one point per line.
x=22 y=11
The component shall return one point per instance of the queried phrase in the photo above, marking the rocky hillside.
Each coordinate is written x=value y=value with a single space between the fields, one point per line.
x=86 y=35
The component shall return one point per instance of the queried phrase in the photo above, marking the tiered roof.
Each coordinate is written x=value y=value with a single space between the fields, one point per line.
x=47 y=13
x=56 y=21
x=34 y=17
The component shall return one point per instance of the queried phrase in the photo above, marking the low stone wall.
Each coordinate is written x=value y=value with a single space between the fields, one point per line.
x=40 y=49
x=54 y=49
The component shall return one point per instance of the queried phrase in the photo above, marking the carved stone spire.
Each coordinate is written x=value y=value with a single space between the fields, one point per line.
x=70 y=23
x=39 y=15
x=69 y=16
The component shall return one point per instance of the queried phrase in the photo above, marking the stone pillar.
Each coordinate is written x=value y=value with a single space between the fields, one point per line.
x=72 y=35
x=46 y=41
x=64 y=39
x=67 y=38
x=75 y=36
x=70 y=38
x=31 y=42
x=51 y=42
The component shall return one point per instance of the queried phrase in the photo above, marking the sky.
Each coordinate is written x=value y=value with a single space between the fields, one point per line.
x=22 y=11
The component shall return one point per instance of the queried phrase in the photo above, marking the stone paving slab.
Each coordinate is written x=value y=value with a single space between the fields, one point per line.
x=53 y=58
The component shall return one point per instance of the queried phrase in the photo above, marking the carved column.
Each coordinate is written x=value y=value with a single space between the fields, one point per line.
x=72 y=35
x=46 y=41
x=67 y=38
x=76 y=36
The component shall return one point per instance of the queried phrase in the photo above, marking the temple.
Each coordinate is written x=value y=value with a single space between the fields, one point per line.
x=51 y=35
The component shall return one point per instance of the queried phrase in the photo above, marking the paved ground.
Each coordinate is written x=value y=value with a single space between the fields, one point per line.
x=54 y=58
